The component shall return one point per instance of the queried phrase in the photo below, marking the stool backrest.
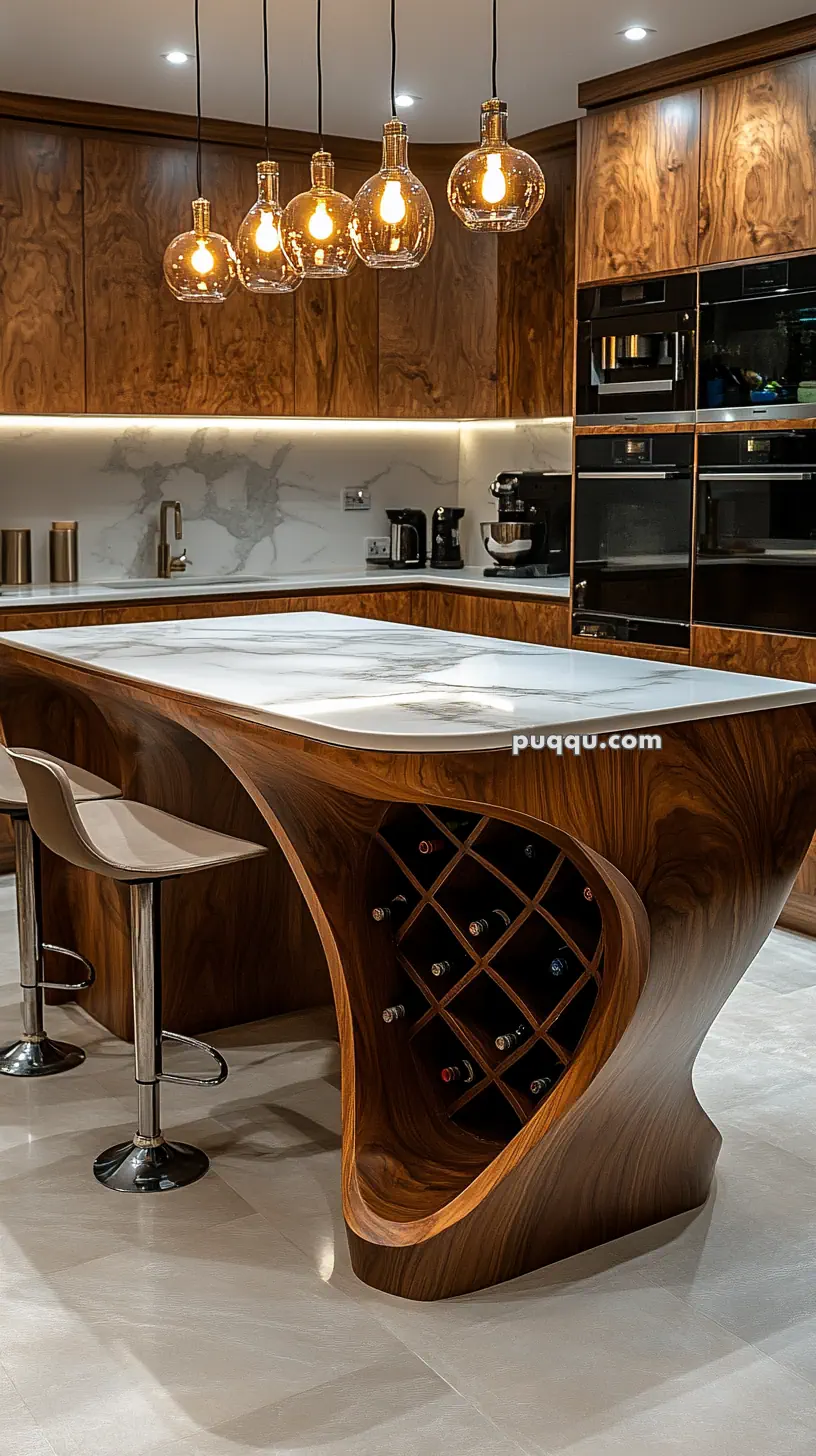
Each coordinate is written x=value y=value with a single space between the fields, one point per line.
x=53 y=812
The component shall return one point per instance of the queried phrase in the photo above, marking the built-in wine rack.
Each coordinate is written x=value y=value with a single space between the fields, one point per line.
x=442 y=871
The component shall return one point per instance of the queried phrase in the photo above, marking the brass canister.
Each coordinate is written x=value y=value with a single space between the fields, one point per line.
x=15 y=557
x=63 y=551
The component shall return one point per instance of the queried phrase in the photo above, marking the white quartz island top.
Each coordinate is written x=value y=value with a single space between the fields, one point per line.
x=381 y=685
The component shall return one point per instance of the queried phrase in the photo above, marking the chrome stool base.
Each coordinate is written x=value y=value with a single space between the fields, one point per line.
x=39 y=1058
x=156 y=1168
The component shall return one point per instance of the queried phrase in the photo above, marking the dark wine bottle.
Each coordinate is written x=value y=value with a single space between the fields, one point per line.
x=497 y=920
x=431 y=846
x=441 y=968
x=394 y=1013
x=530 y=851
x=511 y=1039
x=460 y=827
x=397 y=906
x=560 y=963
x=458 y=1072
x=588 y=895
x=540 y=1085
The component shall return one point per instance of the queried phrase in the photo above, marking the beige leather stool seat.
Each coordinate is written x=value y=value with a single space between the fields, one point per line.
x=130 y=841
x=35 y=1054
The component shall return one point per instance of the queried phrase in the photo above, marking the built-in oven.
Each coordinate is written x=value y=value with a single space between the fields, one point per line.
x=636 y=351
x=757 y=341
x=756 y=531
x=633 y=538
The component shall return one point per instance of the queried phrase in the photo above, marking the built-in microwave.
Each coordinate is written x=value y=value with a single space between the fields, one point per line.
x=757 y=341
x=636 y=351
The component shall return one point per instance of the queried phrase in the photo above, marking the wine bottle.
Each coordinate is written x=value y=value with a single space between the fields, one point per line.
x=441 y=968
x=394 y=1013
x=540 y=1085
x=530 y=851
x=398 y=905
x=500 y=918
x=458 y=1072
x=588 y=895
x=459 y=827
x=510 y=1039
x=431 y=846
x=559 y=965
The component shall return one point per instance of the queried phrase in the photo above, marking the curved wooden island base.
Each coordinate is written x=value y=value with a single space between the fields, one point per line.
x=660 y=873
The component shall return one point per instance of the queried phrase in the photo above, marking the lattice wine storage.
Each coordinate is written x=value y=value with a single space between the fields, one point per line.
x=498 y=938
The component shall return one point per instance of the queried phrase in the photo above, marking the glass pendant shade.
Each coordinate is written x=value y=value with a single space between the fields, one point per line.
x=393 y=221
x=200 y=266
x=315 y=226
x=263 y=267
x=496 y=188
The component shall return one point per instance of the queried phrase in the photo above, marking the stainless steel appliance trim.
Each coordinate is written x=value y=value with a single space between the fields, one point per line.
x=749 y=474
x=635 y=474
x=636 y=386
x=643 y=417
x=749 y=413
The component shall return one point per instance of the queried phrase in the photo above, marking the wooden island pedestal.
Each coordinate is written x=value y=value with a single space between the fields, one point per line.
x=651 y=875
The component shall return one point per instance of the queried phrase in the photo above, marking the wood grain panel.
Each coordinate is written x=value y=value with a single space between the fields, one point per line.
x=33 y=618
x=42 y=347
x=147 y=353
x=392 y=605
x=536 y=302
x=768 y=654
x=632 y=649
x=438 y=331
x=638 y=188
x=638 y=429
x=336 y=332
x=758 y=163
x=736 y=427
x=521 y=621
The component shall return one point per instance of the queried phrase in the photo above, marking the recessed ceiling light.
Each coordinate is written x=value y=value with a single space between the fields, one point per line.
x=404 y=99
x=177 y=58
x=636 y=32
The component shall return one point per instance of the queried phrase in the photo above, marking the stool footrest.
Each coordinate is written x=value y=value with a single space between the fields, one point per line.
x=201 y=1046
x=68 y=985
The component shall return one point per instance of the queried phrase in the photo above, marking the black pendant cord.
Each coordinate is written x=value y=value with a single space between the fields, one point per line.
x=393 y=57
x=320 y=72
x=266 y=74
x=495 y=90
x=198 y=98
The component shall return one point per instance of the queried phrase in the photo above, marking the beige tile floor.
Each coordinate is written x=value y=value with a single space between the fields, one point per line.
x=225 y=1319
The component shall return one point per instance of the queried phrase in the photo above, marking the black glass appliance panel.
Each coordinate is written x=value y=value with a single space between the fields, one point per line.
x=756 y=532
x=633 y=498
x=636 y=347
x=757 y=335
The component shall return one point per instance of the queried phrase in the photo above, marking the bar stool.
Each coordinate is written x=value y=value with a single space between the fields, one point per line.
x=35 y=1054
x=141 y=846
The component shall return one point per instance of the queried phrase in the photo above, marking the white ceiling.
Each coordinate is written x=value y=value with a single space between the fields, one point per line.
x=112 y=51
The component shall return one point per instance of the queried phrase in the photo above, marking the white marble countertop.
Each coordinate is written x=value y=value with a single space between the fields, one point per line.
x=369 y=578
x=381 y=685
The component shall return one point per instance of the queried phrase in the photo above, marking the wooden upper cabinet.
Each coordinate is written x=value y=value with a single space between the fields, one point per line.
x=438 y=323
x=638 y=188
x=758 y=169
x=146 y=352
x=42 y=363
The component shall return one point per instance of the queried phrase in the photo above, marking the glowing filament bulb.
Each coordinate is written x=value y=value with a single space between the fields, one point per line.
x=202 y=259
x=267 y=237
x=494 y=182
x=320 y=224
x=392 y=202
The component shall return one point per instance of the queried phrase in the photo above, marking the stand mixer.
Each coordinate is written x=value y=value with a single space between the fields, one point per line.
x=531 y=536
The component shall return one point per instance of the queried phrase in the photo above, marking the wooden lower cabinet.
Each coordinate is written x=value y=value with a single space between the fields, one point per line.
x=768 y=654
x=632 y=649
x=521 y=620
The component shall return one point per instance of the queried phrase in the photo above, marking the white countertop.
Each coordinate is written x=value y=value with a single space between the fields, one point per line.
x=380 y=685
x=370 y=578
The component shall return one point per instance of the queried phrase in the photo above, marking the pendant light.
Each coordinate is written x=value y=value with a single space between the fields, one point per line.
x=199 y=266
x=315 y=225
x=393 y=221
x=497 y=188
x=263 y=267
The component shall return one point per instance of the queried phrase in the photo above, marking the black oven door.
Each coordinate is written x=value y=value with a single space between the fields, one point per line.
x=633 y=552
x=756 y=549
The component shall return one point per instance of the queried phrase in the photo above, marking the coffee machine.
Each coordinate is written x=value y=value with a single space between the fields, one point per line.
x=445 y=550
x=532 y=534
x=409 y=538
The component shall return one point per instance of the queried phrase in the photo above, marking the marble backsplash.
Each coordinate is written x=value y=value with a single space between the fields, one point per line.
x=257 y=496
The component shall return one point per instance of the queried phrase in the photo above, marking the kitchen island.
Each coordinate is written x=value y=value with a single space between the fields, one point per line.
x=558 y=929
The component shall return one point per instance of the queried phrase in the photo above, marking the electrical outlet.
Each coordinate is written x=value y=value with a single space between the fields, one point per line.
x=356 y=498
x=377 y=548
